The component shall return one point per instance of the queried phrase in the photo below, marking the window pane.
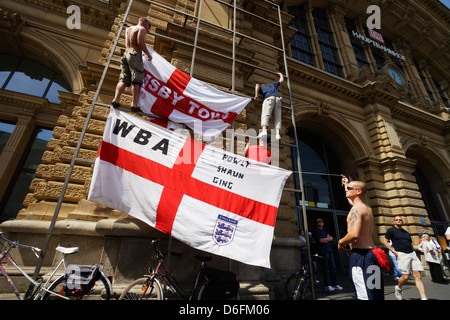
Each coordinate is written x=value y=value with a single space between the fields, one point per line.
x=12 y=202
x=31 y=78
x=321 y=170
x=58 y=85
x=317 y=191
x=15 y=200
x=8 y=64
x=53 y=94
x=315 y=185
x=327 y=45
x=38 y=146
x=311 y=155
x=5 y=132
x=301 y=42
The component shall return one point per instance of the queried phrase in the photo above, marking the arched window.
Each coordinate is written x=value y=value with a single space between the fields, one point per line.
x=30 y=77
x=324 y=195
x=321 y=170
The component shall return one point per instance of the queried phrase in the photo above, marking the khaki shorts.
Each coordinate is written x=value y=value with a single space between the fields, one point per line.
x=408 y=262
x=271 y=104
x=132 y=67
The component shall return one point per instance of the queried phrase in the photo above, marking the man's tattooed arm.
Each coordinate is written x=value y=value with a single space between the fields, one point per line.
x=354 y=214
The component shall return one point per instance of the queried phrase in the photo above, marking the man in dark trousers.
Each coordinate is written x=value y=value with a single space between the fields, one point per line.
x=365 y=270
x=325 y=249
x=406 y=257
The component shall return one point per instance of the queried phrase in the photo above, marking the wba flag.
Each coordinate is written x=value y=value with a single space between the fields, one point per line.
x=208 y=198
x=170 y=93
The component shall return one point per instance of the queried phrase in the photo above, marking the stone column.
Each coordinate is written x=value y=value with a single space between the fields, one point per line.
x=389 y=177
x=13 y=151
x=343 y=43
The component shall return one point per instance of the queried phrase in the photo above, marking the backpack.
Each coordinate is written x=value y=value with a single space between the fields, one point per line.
x=220 y=285
x=79 y=279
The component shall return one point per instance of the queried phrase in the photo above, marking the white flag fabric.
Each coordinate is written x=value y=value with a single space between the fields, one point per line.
x=208 y=198
x=170 y=93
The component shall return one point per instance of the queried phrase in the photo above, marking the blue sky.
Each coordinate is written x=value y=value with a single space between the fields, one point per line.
x=446 y=2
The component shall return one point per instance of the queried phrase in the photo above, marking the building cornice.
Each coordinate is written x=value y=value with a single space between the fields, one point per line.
x=93 y=12
x=419 y=118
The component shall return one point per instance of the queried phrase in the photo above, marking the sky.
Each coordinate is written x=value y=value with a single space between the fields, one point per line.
x=446 y=3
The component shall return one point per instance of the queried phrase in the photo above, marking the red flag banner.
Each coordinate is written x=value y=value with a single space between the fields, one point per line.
x=208 y=198
x=172 y=94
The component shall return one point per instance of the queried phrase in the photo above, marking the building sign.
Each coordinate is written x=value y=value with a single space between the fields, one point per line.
x=377 y=45
x=376 y=36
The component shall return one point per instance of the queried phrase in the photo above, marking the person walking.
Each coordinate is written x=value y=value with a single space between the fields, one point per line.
x=364 y=265
x=397 y=273
x=431 y=252
x=406 y=256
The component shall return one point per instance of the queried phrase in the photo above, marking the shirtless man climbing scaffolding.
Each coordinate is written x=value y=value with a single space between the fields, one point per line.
x=132 y=68
x=365 y=271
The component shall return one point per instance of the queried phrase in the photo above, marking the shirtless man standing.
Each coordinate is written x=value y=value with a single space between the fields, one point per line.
x=132 y=68
x=365 y=271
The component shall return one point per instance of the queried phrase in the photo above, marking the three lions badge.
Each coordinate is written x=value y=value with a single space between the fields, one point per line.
x=224 y=230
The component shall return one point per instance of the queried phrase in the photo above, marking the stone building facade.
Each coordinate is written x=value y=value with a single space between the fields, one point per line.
x=376 y=111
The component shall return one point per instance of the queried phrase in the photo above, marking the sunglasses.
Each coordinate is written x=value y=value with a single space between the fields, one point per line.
x=351 y=188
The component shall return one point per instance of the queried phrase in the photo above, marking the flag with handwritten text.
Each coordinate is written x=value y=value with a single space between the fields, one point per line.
x=210 y=199
x=170 y=93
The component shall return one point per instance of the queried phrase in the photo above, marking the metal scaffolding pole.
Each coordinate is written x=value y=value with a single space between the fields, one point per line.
x=77 y=149
x=195 y=46
x=299 y=165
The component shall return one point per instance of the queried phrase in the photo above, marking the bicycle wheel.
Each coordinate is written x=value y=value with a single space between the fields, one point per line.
x=141 y=289
x=296 y=287
x=201 y=289
x=100 y=291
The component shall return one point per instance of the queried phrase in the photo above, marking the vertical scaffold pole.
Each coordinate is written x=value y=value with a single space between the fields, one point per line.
x=77 y=149
x=294 y=126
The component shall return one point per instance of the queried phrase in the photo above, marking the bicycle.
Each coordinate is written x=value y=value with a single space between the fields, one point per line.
x=150 y=287
x=298 y=285
x=50 y=290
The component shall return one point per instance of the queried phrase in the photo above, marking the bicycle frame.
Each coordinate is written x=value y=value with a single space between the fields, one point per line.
x=169 y=280
x=5 y=255
x=40 y=290
x=166 y=275
x=8 y=279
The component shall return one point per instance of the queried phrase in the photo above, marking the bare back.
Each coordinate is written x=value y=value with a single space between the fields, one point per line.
x=134 y=35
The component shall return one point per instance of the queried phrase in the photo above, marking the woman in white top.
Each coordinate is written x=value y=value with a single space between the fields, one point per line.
x=431 y=252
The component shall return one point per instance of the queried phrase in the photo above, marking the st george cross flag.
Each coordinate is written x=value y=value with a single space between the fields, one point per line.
x=208 y=198
x=170 y=93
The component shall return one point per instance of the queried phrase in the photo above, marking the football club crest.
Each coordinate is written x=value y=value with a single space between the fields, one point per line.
x=224 y=230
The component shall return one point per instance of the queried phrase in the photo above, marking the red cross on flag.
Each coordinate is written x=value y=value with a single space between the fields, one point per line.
x=170 y=93
x=208 y=198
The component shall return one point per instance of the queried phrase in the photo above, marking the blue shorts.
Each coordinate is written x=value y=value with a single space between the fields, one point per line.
x=366 y=275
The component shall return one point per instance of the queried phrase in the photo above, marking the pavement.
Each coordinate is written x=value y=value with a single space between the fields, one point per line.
x=434 y=291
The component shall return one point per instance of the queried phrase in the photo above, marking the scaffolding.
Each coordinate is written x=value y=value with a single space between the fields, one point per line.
x=232 y=5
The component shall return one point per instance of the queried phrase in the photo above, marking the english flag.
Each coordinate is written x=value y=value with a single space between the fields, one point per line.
x=170 y=93
x=208 y=198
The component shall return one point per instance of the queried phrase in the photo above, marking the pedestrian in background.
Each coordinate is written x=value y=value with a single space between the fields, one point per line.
x=406 y=256
x=433 y=258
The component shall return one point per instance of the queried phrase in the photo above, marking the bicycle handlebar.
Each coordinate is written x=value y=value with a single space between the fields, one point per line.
x=15 y=244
